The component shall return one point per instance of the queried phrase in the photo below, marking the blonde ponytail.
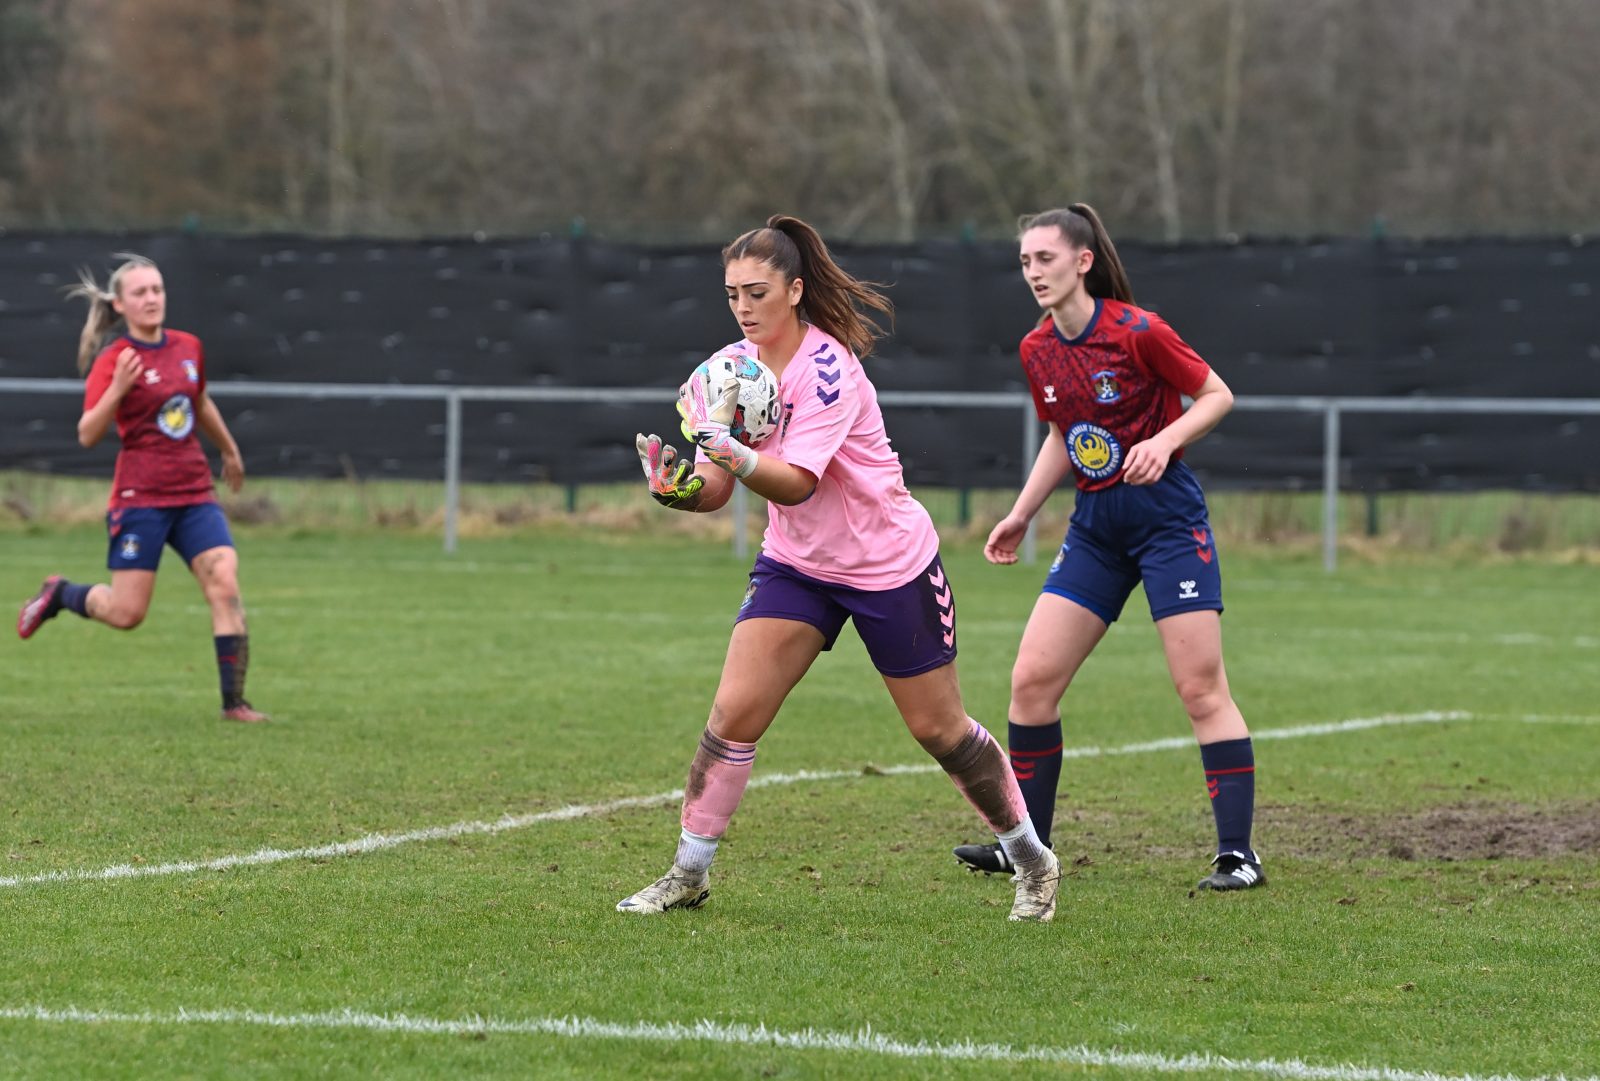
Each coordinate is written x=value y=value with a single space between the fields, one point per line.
x=102 y=315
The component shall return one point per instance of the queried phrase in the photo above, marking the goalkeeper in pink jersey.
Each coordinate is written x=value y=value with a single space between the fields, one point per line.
x=150 y=381
x=845 y=540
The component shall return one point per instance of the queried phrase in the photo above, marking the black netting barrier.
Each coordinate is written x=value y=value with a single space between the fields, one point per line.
x=1484 y=318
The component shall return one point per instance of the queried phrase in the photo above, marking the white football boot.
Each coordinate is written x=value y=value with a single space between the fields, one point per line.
x=1037 y=882
x=675 y=889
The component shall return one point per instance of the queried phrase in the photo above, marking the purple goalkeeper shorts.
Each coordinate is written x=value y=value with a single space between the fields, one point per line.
x=907 y=630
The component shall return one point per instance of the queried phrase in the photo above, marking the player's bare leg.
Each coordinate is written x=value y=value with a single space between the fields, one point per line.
x=217 y=571
x=766 y=658
x=1193 y=645
x=125 y=602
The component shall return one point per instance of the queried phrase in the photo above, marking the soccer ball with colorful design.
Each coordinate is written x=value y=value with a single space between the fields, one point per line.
x=733 y=390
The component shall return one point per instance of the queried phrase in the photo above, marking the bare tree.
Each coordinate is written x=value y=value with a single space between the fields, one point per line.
x=1081 y=35
x=1159 y=122
x=874 y=33
x=1227 y=125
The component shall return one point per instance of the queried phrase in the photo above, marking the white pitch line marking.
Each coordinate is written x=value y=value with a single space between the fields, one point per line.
x=1355 y=724
x=865 y=1041
x=1542 y=718
x=377 y=842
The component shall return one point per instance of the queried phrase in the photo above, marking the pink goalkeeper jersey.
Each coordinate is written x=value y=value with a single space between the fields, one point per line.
x=860 y=527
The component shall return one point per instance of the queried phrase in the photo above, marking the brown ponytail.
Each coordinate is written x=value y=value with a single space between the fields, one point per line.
x=102 y=316
x=832 y=299
x=1081 y=226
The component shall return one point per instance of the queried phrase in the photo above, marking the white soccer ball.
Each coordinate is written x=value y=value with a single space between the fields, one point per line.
x=755 y=420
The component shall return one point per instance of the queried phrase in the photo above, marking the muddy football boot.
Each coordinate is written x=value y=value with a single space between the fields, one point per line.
x=1037 y=882
x=675 y=889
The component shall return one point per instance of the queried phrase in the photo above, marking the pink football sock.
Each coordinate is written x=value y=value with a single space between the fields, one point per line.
x=717 y=776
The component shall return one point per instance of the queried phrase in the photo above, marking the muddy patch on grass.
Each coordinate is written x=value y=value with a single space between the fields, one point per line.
x=1473 y=830
x=1461 y=831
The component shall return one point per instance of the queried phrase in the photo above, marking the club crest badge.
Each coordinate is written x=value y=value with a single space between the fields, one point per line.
x=1105 y=386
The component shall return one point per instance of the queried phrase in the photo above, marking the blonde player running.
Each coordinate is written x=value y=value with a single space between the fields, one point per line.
x=149 y=380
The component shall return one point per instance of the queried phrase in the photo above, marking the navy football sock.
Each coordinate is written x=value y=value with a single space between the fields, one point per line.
x=74 y=598
x=1231 y=782
x=1036 y=760
x=233 y=658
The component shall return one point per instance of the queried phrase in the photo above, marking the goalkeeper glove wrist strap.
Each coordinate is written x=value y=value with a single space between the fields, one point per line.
x=727 y=452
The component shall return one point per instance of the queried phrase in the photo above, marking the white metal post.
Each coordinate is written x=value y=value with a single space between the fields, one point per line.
x=741 y=522
x=1330 y=487
x=1030 y=451
x=452 y=467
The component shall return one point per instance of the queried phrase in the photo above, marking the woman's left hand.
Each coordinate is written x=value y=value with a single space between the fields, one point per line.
x=705 y=408
x=1147 y=461
x=232 y=470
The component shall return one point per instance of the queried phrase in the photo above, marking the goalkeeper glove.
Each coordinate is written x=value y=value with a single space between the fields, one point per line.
x=671 y=481
x=708 y=420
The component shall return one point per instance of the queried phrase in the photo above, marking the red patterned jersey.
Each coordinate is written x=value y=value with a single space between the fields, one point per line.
x=161 y=463
x=1117 y=383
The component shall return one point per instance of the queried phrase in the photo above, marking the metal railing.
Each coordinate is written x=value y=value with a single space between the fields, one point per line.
x=1331 y=408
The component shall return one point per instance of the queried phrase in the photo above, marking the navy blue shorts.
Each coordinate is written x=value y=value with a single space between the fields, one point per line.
x=139 y=533
x=1158 y=533
x=907 y=631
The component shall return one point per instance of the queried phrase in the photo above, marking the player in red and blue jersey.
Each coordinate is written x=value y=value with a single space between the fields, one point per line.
x=1109 y=379
x=151 y=381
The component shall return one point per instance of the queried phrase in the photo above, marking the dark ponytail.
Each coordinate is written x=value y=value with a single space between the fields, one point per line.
x=832 y=299
x=1081 y=226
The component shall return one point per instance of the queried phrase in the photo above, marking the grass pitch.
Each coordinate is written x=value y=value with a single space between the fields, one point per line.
x=1434 y=902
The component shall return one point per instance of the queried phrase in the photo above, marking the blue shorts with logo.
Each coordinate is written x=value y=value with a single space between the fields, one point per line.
x=1158 y=533
x=139 y=533
x=907 y=630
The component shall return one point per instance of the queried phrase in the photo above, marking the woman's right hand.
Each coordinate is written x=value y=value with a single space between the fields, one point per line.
x=1001 y=547
x=671 y=479
x=129 y=368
